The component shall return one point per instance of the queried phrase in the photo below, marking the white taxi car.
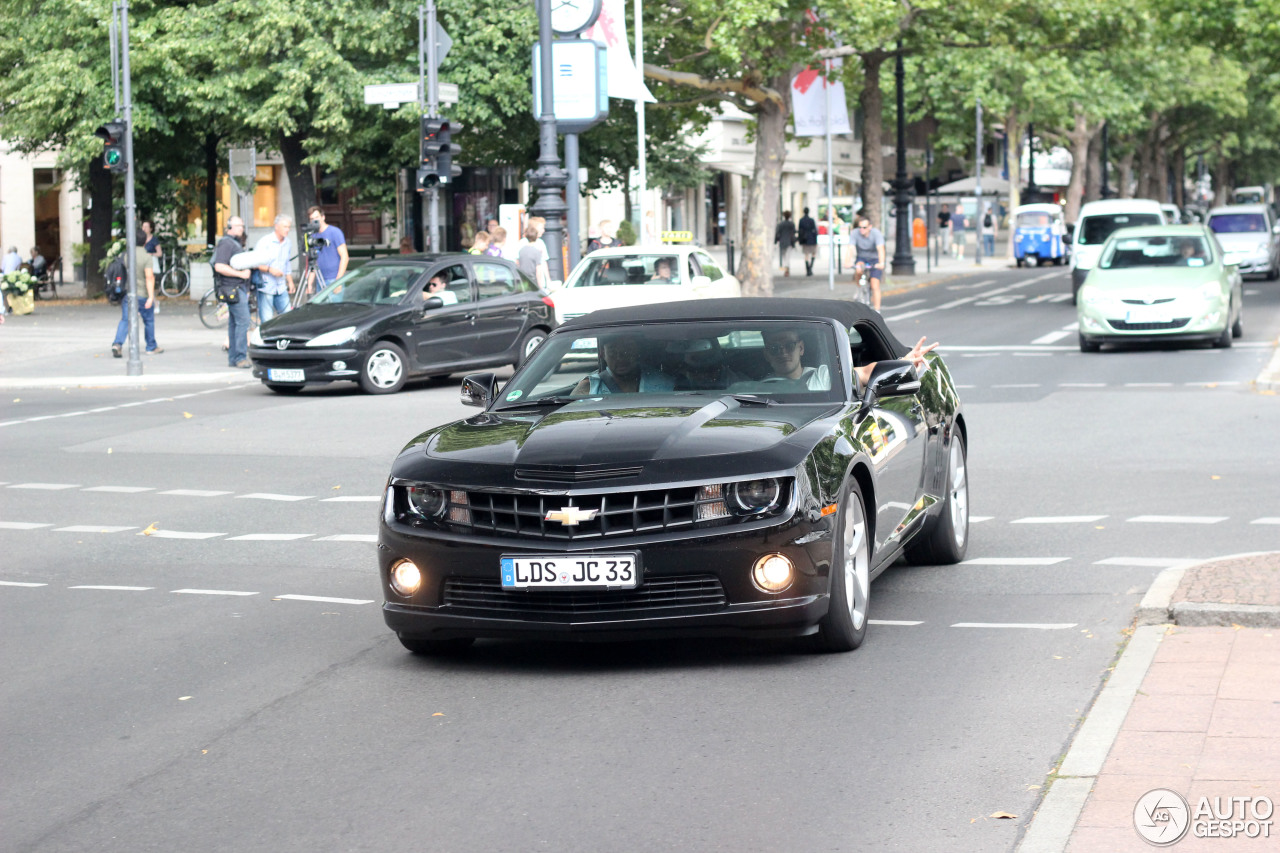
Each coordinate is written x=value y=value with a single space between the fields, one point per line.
x=627 y=276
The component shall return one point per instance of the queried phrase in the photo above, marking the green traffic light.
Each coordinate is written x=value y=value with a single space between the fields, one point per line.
x=114 y=157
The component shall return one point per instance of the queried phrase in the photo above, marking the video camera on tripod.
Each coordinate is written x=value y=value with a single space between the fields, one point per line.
x=310 y=241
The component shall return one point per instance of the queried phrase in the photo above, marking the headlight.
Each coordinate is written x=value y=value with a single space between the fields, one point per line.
x=255 y=338
x=332 y=339
x=753 y=496
x=1090 y=296
x=425 y=502
x=1210 y=290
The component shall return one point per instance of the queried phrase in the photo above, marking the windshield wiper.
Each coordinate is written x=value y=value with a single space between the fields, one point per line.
x=754 y=400
x=544 y=401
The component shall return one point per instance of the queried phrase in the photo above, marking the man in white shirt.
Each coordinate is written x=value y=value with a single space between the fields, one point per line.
x=276 y=276
x=12 y=261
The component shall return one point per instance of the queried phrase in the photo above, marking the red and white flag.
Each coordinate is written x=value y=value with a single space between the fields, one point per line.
x=610 y=28
x=809 y=104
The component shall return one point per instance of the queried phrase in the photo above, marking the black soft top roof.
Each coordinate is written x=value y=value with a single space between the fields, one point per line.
x=847 y=314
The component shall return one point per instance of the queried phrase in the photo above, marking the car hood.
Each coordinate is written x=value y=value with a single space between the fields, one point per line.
x=1139 y=282
x=584 y=439
x=307 y=321
x=1243 y=241
x=583 y=300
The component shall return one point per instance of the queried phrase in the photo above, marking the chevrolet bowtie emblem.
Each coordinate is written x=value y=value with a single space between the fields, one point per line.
x=571 y=516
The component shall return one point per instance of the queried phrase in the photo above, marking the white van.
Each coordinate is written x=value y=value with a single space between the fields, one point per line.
x=1252 y=195
x=1094 y=225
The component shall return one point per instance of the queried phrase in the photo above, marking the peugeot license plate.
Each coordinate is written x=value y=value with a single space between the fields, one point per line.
x=560 y=571
x=278 y=374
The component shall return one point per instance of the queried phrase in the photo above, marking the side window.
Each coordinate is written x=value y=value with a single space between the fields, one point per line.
x=709 y=267
x=495 y=279
x=458 y=283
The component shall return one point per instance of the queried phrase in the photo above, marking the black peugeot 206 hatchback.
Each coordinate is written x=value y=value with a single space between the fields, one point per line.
x=379 y=326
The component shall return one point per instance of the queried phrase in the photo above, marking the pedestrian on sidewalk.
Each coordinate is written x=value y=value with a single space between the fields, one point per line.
x=989 y=231
x=480 y=243
x=807 y=234
x=785 y=236
x=145 y=277
x=12 y=261
x=533 y=257
x=606 y=238
x=958 y=233
x=944 y=229
x=228 y=279
x=152 y=245
x=276 y=278
x=497 y=242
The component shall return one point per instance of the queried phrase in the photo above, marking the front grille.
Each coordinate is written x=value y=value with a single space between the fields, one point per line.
x=655 y=597
x=651 y=511
x=1145 y=302
x=1121 y=325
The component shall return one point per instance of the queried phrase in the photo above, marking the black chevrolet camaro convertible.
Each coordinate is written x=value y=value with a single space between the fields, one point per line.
x=704 y=468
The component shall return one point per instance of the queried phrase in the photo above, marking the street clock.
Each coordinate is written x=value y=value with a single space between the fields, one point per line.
x=570 y=17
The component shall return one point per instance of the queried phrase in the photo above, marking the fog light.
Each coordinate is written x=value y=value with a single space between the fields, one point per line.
x=405 y=578
x=339 y=365
x=773 y=573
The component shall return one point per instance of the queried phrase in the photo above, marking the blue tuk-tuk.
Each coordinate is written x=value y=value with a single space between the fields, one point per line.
x=1038 y=232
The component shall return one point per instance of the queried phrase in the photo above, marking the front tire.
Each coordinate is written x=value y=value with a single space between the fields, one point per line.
x=385 y=369
x=1237 y=328
x=425 y=647
x=1087 y=345
x=946 y=541
x=1223 y=341
x=845 y=626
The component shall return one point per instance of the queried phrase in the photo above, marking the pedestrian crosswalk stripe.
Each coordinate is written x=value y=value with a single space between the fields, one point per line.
x=892 y=622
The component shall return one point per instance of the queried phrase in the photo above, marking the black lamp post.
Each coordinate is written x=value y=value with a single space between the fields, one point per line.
x=1106 y=186
x=549 y=179
x=1033 y=192
x=904 y=263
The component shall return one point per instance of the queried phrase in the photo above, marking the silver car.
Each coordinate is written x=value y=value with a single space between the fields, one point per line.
x=1250 y=238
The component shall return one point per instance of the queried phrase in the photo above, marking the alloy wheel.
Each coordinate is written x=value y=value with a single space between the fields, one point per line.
x=959 y=494
x=857 y=564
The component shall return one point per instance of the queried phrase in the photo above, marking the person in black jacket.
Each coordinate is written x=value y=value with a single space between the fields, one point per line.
x=808 y=237
x=785 y=236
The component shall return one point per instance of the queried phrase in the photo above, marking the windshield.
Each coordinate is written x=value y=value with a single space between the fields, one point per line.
x=786 y=362
x=629 y=269
x=1038 y=219
x=380 y=284
x=1096 y=229
x=1238 y=223
x=1156 y=251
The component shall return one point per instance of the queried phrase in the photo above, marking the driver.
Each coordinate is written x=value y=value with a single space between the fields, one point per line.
x=622 y=372
x=436 y=287
x=662 y=270
x=704 y=367
x=1192 y=249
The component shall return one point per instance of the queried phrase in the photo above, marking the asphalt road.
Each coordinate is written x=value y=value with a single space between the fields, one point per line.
x=227 y=683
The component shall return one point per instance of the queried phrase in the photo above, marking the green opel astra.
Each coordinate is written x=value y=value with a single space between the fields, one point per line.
x=1160 y=283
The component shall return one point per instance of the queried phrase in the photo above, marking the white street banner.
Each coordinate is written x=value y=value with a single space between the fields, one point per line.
x=809 y=105
x=611 y=28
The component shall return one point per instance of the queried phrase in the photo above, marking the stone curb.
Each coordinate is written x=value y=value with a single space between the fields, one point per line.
x=1157 y=607
x=1055 y=819
x=116 y=381
x=1269 y=378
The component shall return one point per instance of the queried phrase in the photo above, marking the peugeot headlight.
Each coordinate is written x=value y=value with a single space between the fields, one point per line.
x=332 y=339
x=426 y=502
x=255 y=338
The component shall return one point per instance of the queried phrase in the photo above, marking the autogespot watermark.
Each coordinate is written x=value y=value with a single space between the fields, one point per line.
x=1163 y=817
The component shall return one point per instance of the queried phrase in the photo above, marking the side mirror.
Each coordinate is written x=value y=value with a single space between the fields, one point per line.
x=1275 y=229
x=432 y=302
x=701 y=282
x=893 y=379
x=479 y=389
x=1066 y=238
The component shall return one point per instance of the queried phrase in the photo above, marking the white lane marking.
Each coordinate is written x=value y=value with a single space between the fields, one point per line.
x=118 y=588
x=1018 y=385
x=1049 y=297
x=903 y=305
x=1082 y=385
x=75 y=381
x=267 y=496
x=20 y=583
x=92 y=528
x=1212 y=384
x=1178 y=519
x=22 y=525
x=210 y=592
x=1039 y=626
x=326 y=600
x=49 y=487
x=349 y=537
x=1010 y=348
x=974 y=519
x=1052 y=337
x=1014 y=561
x=1033 y=355
x=269 y=537
x=124 y=490
x=954 y=302
x=1265 y=521
x=1253 y=345
x=194 y=493
x=1058 y=519
x=1148 y=384
x=1145 y=562
x=892 y=622
x=182 y=534
x=963 y=387
x=351 y=498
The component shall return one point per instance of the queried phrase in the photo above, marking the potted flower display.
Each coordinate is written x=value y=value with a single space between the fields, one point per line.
x=18 y=288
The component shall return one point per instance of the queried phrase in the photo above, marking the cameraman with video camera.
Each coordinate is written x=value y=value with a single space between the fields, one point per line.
x=331 y=257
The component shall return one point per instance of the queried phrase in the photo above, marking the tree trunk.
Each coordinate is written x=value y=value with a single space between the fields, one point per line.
x=1160 y=166
x=211 y=189
x=872 y=102
x=99 y=227
x=1221 y=179
x=756 y=268
x=1016 y=134
x=1124 y=175
x=1180 y=176
x=1079 y=137
x=302 y=183
x=1093 y=169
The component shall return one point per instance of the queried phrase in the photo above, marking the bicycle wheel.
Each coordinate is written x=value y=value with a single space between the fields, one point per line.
x=174 y=282
x=862 y=292
x=212 y=312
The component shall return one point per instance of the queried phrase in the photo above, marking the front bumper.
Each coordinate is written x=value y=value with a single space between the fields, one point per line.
x=1259 y=264
x=317 y=363
x=1189 y=320
x=722 y=561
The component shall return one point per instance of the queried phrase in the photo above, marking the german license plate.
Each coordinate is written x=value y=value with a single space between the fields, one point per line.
x=277 y=374
x=578 y=571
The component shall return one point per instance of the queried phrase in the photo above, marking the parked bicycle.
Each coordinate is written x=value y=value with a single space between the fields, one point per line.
x=214 y=313
x=175 y=270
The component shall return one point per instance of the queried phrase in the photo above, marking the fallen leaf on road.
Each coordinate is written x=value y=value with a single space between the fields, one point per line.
x=1003 y=815
x=151 y=528
x=437 y=714
x=337 y=487
x=1033 y=787
x=1235 y=627
x=187 y=415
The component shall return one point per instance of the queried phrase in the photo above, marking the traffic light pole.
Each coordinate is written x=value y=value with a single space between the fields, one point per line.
x=549 y=179
x=432 y=96
x=134 y=367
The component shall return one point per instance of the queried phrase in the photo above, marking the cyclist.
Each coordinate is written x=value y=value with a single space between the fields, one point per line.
x=868 y=244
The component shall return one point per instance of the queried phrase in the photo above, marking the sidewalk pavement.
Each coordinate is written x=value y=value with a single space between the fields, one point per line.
x=1192 y=707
